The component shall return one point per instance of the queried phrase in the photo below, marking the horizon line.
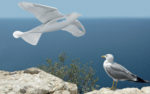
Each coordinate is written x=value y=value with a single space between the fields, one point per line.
x=80 y=18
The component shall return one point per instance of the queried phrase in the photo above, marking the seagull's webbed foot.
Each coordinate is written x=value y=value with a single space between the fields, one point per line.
x=112 y=88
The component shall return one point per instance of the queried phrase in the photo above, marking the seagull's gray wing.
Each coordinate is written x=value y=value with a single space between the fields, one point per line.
x=76 y=29
x=41 y=12
x=118 y=72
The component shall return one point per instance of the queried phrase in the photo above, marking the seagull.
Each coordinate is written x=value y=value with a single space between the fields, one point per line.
x=52 y=20
x=119 y=73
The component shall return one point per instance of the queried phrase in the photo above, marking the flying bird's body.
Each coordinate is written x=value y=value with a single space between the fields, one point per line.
x=52 y=20
x=54 y=26
x=119 y=73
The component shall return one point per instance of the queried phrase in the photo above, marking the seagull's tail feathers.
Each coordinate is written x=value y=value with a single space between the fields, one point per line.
x=140 y=80
x=29 y=37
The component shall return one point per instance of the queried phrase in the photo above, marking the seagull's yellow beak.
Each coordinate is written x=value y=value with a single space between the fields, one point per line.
x=103 y=56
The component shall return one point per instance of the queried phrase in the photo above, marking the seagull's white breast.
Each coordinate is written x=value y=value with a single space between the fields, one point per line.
x=106 y=64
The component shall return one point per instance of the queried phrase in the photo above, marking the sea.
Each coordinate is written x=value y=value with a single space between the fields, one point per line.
x=128 y=39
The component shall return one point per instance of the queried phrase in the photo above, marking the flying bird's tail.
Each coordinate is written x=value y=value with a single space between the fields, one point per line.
x=140 y=80
x=29 y=37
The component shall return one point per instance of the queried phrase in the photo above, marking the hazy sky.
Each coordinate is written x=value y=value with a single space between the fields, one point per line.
x=88 y=8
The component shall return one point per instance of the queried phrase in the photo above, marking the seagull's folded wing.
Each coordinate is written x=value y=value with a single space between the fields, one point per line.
x=119 y=72
x=41 y=12
x=76 y=29
x=120 y=68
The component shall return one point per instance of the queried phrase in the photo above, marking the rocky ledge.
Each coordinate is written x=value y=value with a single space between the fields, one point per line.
x=144 y=90
x=36 y=81
x=33 y=81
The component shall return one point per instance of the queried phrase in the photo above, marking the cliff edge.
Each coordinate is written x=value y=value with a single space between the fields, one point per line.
x=34 y=81
x=144 y=90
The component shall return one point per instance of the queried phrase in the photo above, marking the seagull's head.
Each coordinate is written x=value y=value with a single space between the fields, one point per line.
x=108 y=57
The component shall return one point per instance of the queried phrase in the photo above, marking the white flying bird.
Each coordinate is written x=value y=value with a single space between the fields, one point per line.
x=52 y=20
x=118 y=72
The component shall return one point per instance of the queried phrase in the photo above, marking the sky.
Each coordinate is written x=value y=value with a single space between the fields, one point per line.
x=87 y=8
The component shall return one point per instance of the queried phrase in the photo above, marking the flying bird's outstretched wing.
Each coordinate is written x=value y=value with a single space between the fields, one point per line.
x=76 y=29
x=41 y=12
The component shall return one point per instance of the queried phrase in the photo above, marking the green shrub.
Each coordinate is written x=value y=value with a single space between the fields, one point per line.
x=75 y=72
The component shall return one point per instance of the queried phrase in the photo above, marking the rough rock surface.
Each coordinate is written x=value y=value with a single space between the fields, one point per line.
x=144 y=90
x=33 y=81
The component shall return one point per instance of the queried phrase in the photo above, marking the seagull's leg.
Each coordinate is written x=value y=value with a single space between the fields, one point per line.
x=116 y=85
x=113 y=85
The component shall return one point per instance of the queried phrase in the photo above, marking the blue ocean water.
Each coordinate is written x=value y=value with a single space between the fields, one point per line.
x=128 y=39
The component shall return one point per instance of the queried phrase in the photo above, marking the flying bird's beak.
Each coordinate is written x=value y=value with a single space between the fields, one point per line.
x=103 y=56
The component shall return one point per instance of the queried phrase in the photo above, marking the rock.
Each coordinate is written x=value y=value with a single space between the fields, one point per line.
x=71 y=87
x=32 y=71
x=62 y=92
x=34 y=81
x=144 y=90
x=128 y=91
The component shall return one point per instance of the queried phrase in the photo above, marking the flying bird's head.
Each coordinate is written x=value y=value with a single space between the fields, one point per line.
x=17 y=34
x=108 y=57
